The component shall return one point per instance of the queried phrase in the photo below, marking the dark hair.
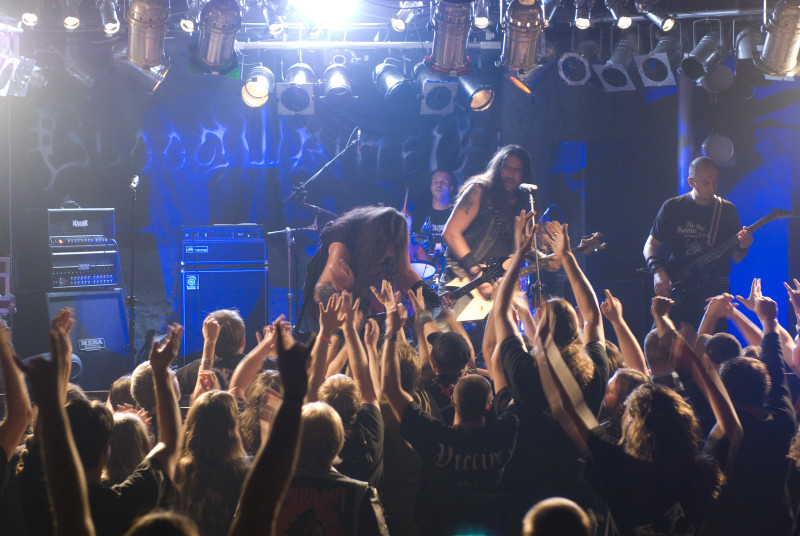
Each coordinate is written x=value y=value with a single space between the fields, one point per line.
x=628 y=380
x=231 y=332
x=567 y=337
x=614 y=357
x=746 y=380
x=701 y=162
x=91 y=424
x=142 y=387
x=491 y=177
x=249 y=418
x=129 y=446
x=453 y=181
x=367 y=232
x=120 y=393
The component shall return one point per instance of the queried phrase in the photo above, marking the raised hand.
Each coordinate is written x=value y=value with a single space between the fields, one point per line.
x=417 y=300
x=371 y=333
x=794 y=295
x=611 y=308
x=755 y=293
x=329 y=315
x=46 y=378
x=560 y=235
x=211 y=329
x=64 y=319
x=386 y=294
x=293 y=359
x=523 y=231
x=162 y=355
x=207 y=380
x=766 y=309
x=720 y=306
x=660 y=306
x=347 y=309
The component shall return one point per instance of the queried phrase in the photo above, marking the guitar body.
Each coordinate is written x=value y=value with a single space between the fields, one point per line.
x=476 y=309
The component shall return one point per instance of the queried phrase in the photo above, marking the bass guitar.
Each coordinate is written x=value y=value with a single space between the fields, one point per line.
x=688 y=279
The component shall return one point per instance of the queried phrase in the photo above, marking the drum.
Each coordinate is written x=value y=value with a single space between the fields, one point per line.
x=423 y=269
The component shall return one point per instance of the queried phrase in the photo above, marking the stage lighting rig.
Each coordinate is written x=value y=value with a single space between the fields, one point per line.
x=296 y=92
x=619 y=12
x=617 y=73
x=523 y=24
x=655 y=13
x=704 y=57
x=782 y=43
x=220 y=20
x=258 y=87
x=656 y=68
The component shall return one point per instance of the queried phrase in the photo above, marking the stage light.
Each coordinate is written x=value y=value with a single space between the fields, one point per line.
x=70 y=11
x=149 y=77
x=147 y=26
x=19 y=75
x=258 y=87
x=437 y=90
x=191 y=16
x=747 y=74
x=620 y=13
x=337 y=81
x=30 y=13
x=657 y=67
x=617 y=73
x=481 y=14
x=108 y=16
x=583 y=13
x=273 y=19
x=219 y=22
x=656 y=14
x=704 y=57
x=451 y=24
x=405 y=17
x=476 y=95
x=779 y=55
x=522 y=25
x=575 y=68
x=393 y=85
x=296 y=92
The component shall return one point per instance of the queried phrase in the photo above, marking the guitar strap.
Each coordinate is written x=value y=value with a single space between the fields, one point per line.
x=715 y=219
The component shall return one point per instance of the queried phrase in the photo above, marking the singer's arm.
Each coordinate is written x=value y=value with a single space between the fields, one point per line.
x=337 y=272
x=463 y=215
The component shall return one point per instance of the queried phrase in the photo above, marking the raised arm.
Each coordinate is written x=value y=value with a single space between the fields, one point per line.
x=424 y=325
x=584 y=294
x=274 y=464
x=66 y=480
x=794 y=299
x=248 y=368
x=18 y=405
x=632 y=354
x=328 y=322
x=210 y=335
x=356 y=355
x=392 y=388
x=167 y=410
x=505 y=326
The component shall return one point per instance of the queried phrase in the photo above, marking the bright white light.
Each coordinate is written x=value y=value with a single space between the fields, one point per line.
x=326 y=12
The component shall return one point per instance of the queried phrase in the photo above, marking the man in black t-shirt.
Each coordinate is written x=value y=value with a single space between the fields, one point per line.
x=687 y=227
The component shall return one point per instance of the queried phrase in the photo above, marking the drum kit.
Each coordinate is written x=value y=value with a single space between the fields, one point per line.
x=427 y=255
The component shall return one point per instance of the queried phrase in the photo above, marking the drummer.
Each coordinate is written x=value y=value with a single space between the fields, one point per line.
x=428 y=221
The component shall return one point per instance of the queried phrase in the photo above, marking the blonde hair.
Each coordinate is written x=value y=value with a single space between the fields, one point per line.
x=322 y=436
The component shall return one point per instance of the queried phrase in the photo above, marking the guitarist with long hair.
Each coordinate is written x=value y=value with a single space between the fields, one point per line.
x=686 y=228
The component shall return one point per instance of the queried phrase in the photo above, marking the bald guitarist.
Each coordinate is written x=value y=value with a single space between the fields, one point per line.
x=686 y=228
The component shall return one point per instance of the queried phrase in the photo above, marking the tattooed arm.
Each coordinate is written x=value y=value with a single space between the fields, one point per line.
x=462 y=216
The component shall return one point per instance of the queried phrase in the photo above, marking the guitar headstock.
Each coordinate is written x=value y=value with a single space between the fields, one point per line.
x=781 y=213
x=590 y=244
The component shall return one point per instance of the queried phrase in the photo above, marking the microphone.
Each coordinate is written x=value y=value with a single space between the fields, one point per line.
x=134 y=183
x=525 y=187
x=358 y=141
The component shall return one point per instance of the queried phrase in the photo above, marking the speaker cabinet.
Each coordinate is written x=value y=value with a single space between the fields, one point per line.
x=204 y=290
x=99 y=336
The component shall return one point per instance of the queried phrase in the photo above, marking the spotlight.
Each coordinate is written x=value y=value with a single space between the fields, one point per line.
x=192 y=15
x=258 y=87
x=273 y=19
x=747 y=74
x=18 y=75
x=437 y=90
x=70 y=11
x=522 y=25
x=583 y=13
x=390 y=81
x=481 y=14
x=656 y=68
x=620 y=12
x=337 y=83
x=405 y=16
x=219 y=22
x=147 y=26
x=704 y=57
x=108 y=16
x=30 y=13
x=617 y=73
x=477 y=96
x=296 y=92
x=451 y=24
x=656 y=14
x=779 y=55
x=575 y=67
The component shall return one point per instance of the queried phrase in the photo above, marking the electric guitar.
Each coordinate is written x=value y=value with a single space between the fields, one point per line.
x=689 y=278
x=479 y=307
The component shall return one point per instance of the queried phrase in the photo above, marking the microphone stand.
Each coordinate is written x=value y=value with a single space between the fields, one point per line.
x=535 y=251
x=130 y=300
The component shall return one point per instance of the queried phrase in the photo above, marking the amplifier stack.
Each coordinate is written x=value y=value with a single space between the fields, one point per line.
x=69 y=258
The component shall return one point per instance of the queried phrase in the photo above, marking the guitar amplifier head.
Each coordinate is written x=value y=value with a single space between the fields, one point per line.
x=68 y=227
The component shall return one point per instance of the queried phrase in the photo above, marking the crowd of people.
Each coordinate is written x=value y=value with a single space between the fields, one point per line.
x=396 y=423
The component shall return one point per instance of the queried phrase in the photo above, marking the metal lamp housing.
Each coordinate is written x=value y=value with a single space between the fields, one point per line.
x=451 y=24
x=147 y=26
x=219 y=22
x=657 y=67
x=523 y=25
x=616 y=73
x=782 y=44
